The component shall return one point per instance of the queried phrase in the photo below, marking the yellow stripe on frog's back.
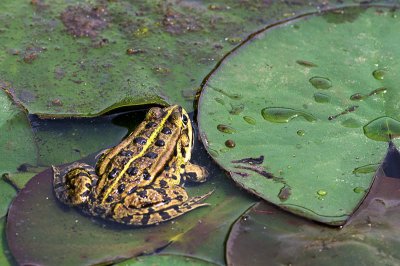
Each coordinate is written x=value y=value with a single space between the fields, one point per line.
x=146 y=146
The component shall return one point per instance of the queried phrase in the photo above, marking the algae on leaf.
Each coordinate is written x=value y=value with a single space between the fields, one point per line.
x=83 y=58
x=311 y=85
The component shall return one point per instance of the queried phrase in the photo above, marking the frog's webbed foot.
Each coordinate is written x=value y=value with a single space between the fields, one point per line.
x=168 y=203
x=194 y=173
x=73 y=185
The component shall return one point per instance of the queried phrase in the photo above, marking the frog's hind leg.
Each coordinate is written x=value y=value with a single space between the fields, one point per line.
x=74 y=184
x=155 y=205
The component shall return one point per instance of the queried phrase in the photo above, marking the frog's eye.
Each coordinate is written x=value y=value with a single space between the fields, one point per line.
x=184 y=119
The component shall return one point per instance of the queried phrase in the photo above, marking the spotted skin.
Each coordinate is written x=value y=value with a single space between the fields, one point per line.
x=141 y=180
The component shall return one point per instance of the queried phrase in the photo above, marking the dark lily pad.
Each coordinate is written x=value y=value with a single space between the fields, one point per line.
x=306 y=135
x=74 y=58
x=37 y=223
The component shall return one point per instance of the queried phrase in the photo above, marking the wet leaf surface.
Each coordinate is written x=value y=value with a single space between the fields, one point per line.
x=371 y=236
x=16 y=146
x=87 y=57
x=160 y=260
x=16 y=138
x=37 y=224
x=301 y=139
x=6 y=196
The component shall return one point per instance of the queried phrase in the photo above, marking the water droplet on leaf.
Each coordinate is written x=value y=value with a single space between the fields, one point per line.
x=321 y=97
x=250 y=120
x=379 y=74
x=320 y=83
x=230 y=143
x=306 y=63
x=357 y=97
x=226 y=129
x=284 y=115
x=300 y=132
x=382 y=129
x=358 y=190
x=366 y=169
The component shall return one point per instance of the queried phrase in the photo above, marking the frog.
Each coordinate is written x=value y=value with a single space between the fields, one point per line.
x=140 y=181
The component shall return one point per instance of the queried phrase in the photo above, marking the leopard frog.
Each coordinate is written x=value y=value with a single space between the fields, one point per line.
x=141 y=180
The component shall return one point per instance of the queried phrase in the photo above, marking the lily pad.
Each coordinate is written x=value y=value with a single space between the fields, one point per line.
x=82 y=58
x=305 y=149
x=156 y=260
x=5 y=256
x=371 y=236
x=37 y=222
x=16 y=146
x=16 y=139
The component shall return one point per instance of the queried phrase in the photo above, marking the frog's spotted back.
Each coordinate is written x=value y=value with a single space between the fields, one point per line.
x=139 y=181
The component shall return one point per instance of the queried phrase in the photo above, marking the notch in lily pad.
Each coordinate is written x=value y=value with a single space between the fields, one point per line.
x=382 y=129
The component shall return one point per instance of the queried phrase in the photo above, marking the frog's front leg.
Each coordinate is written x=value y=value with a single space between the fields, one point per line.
x=75 y=184
x=194 y=173
x=154 y=205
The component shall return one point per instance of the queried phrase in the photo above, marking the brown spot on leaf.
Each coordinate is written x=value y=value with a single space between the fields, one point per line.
x=285 y=193
x=59 y=73
x=30 y=57
x=32 y=53
x=178 y=23
x=132 y=51
x=84 y=20
x=56 y=102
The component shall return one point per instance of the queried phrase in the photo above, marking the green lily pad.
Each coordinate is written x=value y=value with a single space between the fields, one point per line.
x=16 y=139
x=156 y=260
x=305 y=149
x=5 y=256
x=16 y=146
x=37 y=222
x=371 y=236
x=82 y=58
x=6 y=196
